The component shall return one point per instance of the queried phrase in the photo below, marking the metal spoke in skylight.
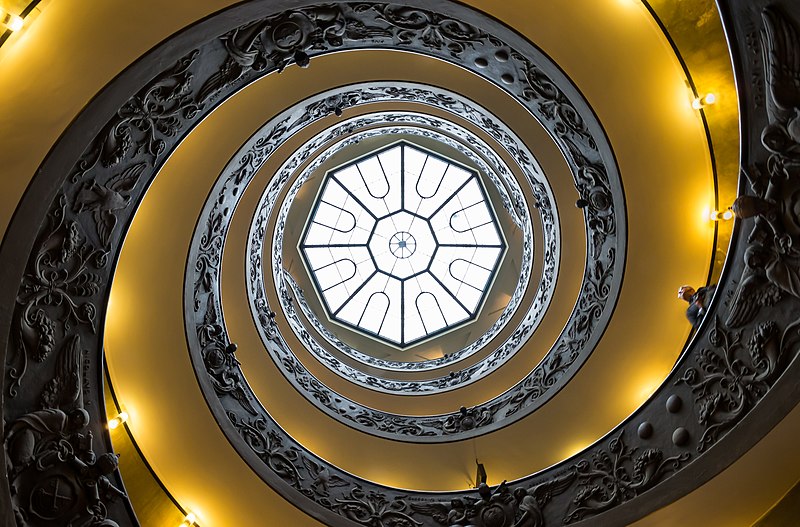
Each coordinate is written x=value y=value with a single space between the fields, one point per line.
x=402 y=244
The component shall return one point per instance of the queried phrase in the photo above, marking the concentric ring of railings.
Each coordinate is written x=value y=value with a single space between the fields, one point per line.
x=514 y=204
x=135 y=145
x=495 y=413
x=350 y=412
x=293 y=299
x=283 y=281
x=575 y=344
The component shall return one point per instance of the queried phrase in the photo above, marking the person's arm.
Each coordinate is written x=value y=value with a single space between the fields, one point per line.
x=694 y=314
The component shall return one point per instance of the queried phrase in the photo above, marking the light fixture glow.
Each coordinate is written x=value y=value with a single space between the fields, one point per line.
x=189 y=520
x=13 y=22
x=703 y=101
x=118 y=420
x=646 y=387
x=721 y=215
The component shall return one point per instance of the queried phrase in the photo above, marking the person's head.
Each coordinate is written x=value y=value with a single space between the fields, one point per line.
x=686 y=292
x=107 y=463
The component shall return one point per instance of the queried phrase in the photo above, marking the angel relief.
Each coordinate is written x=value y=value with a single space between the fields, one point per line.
x=772 y=262
x=522 y=507
x=738 y=370
x=55 y=474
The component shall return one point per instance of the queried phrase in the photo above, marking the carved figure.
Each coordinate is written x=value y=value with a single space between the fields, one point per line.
x=783 y=76
x=323 y=479
x=763 y=278
x=495 y=507
x=103 y=200
x=93 y=477
x=772 y=262
x=32 y=436
x=531 y=501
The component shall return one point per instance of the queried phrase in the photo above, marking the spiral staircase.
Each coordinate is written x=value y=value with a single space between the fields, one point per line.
x=395 y=265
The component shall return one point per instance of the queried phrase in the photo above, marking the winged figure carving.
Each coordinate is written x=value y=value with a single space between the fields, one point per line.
x=755 y=289
x=104 y=200
x=323 y=478
x=782 y=63
x=772 y=261
x=444 y=512
x=533 y=500
x=65 y=389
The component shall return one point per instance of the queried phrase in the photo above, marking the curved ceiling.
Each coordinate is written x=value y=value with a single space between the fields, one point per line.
x=634 y=85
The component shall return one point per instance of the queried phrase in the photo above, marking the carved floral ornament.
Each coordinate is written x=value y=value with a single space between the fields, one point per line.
x=743 y=356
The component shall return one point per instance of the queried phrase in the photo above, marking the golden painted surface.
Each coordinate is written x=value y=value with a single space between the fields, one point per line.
x=151 y=504
x=661 y=151
x=695 y=28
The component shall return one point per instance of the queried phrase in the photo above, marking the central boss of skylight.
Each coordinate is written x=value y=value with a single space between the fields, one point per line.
x=402 y=244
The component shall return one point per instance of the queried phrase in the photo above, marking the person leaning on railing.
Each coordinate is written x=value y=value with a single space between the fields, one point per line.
x=698 y=301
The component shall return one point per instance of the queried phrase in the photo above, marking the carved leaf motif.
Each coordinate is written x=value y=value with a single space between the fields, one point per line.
x=268 y=446
x=373 y=509
x=617 y=475
x=727 y=382
x=56 y=295
x=433 y=30
x=158 y=111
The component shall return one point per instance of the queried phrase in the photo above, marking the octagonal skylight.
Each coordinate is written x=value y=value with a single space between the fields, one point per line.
x=402 y=244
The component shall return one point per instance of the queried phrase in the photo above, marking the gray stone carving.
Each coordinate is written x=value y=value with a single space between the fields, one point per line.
x=520 y=507
x=616 y=476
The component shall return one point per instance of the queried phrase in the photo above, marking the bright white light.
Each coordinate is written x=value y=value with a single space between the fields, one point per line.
x=402 y=244
x=13 y=22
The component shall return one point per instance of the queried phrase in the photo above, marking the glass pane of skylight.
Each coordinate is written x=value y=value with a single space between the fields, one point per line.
x=375 y=308
x=402 y=244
